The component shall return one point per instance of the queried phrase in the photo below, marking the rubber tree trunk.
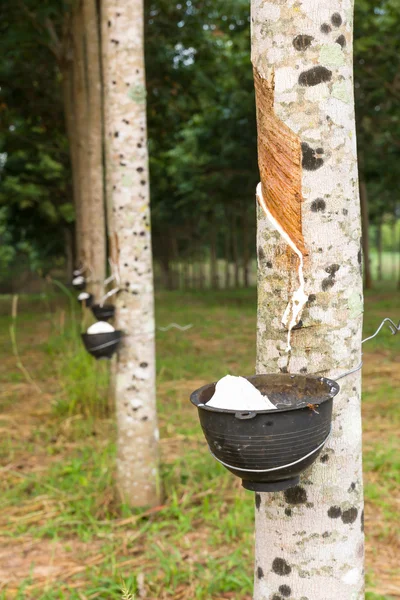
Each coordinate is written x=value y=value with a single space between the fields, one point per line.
x=80 y=120
x=94 y=148
x=227 y=259
x=235 y=251
x=309 y=539
x=213 y=252
x=394 y=249
x=379 y=249
x=127 y=172
x=365 y=237
x=69 y=254
x=70 y=125
x=246 y=258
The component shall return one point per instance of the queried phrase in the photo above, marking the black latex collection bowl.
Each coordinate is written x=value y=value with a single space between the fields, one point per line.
x=102 y=345
x=79 y=286
x=269 y=449
x=103 y=313
x=87 y=301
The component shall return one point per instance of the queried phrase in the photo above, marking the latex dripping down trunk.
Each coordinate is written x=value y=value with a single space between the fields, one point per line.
x=299 y=298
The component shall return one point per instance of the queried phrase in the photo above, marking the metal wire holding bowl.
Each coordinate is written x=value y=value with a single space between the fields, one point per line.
x=393 y=328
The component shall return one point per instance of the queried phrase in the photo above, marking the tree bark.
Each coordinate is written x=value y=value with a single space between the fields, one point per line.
x=94 y=148
x=365 y=237
x=127 y=172
x=80 y=133
x=309 y=539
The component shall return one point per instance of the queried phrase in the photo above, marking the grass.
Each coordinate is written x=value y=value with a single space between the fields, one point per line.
x=60 y=520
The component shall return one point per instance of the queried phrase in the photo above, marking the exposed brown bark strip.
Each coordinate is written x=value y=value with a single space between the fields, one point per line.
x=279 y=161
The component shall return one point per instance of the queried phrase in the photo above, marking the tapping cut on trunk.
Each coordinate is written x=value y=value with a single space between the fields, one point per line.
x=279 y=161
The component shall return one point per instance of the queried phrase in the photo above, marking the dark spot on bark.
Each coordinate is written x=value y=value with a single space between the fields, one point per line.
x=298 y=326
x=281 y=567
x=318 y=205
x=311 y=298
x=336 y=20
x=296 y=495
x=276 y=597
x=327 y=283
x=269 y=264
x=125 y=121
x=362 y=521
x=326 y=534
x=109 y=23
x=303 y=370
x=139 y=145
x=302 y=42
x=261 y=253
x=349 y=515
x=116 y=134
x=352 y=487
x=359 y=256
x=332 y=269
x=334 y=512
x=143 y=365
x=285 y=590
x=127 y=284
x=283 y=369
x=143 y=182
x=345 y=211
x=288 y=512
x=115 y=42
x=125 y=264
x=122 y=164
x=144 y=418
x=142 y=233
x=324 y=458
x=325 y=28
x=341 y=40
x=311 y=161
x=260 y=573
x=258 y=501
x=315 y=76
x=139 y=169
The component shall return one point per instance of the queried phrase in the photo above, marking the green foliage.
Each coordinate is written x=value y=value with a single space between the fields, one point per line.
x=34 y=170
x=377 y=89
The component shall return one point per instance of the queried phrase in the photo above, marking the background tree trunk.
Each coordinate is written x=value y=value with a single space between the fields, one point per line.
x=213 y=252
x=70 y=125
x=379 y=249
x=227 y=259
x=309 y=539
x=235 y=251
x=365 y=237
x=127 y=172
x=95 y=175
x=80 y=135
x=394 y=249
x=69 y=254
x=246 y=258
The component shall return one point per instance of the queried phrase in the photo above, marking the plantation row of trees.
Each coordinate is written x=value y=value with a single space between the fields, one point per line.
x=201 y=134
